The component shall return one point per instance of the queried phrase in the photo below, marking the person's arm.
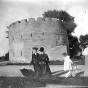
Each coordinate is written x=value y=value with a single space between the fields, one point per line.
x=70 y=60
x=31 y=60
x=47 y=59
x=38 y=58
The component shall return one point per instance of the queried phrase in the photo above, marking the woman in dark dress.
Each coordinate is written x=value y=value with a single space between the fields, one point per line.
x=44 y=63
x=35 y=62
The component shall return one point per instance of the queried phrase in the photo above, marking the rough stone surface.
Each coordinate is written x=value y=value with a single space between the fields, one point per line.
x=86 y=66
x=47 y=33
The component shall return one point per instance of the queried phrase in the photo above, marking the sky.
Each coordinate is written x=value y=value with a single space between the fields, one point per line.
x=15 y=10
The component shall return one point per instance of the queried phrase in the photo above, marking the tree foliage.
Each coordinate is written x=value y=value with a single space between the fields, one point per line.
x=66 y=20
x=73 y=45
x=84 y=40
x=51 y=14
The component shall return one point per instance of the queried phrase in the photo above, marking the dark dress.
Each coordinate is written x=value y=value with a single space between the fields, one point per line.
x=44 y=65
x=35 y=63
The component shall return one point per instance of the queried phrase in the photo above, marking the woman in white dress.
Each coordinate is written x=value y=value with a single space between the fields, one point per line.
x=67 y=64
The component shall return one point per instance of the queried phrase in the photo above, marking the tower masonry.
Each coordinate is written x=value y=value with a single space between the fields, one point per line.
x=26 y=34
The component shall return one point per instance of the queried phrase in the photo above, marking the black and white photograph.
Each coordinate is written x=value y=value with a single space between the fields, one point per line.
x=43 y=43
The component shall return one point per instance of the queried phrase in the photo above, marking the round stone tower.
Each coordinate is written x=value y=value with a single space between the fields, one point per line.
x=26 y=34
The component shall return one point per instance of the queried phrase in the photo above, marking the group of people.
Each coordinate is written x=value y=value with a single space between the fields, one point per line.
x=40 y=62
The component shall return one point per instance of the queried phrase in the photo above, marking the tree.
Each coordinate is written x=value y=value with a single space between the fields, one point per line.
x=73 y=45
x=51 y=14
x=7 y=56
x=66 y=22
x=83 y=40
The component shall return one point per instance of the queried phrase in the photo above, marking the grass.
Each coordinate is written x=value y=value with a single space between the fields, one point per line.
x=77 y=61
x=51 y=63
x=27 y=82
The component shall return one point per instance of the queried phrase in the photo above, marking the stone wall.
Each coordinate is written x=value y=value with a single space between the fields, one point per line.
x=47 y=33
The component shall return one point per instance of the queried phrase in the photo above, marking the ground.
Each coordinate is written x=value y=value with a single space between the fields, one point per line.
x=25 y=82
x=21 y=76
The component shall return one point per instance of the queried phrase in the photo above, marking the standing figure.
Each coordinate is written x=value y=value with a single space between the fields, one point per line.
x=35 y=62
x=67 y=64
x=44 y=63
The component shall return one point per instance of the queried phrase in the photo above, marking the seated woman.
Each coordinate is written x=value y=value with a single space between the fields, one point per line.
x=44 y=63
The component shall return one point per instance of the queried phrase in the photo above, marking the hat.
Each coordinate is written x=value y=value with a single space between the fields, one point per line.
x=41 y=49
x=35 y=48
x=64 y=54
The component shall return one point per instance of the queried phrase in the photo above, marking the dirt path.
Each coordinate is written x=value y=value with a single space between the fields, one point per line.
x=14 y=70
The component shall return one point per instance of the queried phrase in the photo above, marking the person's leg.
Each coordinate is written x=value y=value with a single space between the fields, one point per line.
x=48 y=71
x=37 y=71
x=68 y=74
x=34 y=67
x=43 y=69
x=40 y=70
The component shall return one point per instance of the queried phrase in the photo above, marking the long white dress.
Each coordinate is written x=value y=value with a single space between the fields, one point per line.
x=67 y=63
x=85 y=52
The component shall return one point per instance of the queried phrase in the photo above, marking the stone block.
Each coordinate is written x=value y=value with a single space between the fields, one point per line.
x=47 y=19
x=54 y=19
x=55 y=53
x=31 y=20
x=40 y=19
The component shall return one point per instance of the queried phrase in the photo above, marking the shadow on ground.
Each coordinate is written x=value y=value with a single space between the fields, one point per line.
x=30 y=73
x=59 y=73
x=27 y=72
x=79 y=74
